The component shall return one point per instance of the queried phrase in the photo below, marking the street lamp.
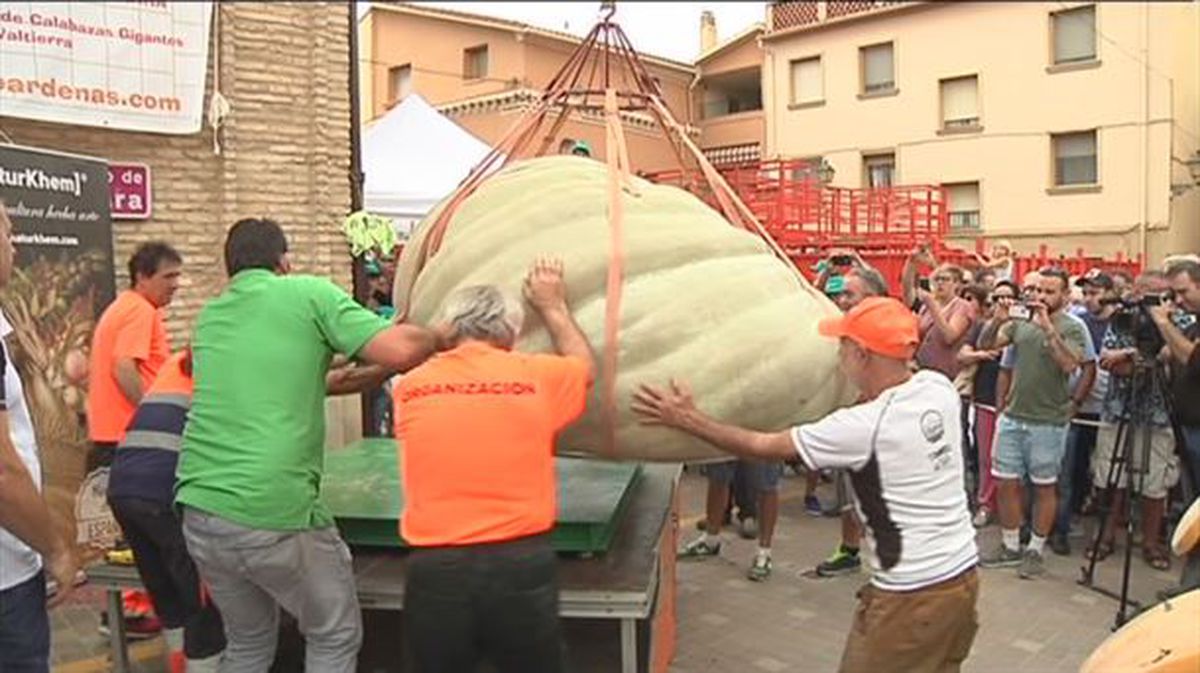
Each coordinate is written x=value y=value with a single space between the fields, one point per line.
x=1193 y=166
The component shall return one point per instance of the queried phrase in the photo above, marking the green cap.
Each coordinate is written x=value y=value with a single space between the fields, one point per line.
x=581 y=147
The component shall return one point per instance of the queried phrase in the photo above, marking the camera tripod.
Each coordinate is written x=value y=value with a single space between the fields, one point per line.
x=1136 y=422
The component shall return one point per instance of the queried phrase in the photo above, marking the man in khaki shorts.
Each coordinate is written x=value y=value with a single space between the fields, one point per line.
x=1117 y=356
x=903 y=448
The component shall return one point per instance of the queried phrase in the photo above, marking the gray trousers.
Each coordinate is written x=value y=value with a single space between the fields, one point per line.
x=251 y=573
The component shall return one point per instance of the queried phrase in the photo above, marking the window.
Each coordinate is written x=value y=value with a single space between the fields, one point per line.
x=879 y=170
x=1075 y=158
x=399 y=81
x=808 y=81
x=878 y=74
x=1074 y=35
x=960 y=104
x=475 y=62
x=963 y=204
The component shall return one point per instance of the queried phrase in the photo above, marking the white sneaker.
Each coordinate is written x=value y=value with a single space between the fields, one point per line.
x=982 y=518
x=748 y=528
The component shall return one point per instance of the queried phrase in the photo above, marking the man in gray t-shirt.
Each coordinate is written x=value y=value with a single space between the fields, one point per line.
x=1031 y=434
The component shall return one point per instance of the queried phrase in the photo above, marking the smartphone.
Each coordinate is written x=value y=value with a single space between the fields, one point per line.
x=923 y=283
x=1019 y=312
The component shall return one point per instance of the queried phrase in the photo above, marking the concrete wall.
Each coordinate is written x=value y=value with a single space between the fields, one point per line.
x=748 y=54
x=1021 y=102
x=434 y=46
x=734 y=129
x=1184 y=23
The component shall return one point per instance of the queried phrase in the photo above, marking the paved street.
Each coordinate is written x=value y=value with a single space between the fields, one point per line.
x=791 y=622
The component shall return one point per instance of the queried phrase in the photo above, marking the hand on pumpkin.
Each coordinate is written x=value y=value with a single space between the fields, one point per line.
x=658 y=406
x=544 y=288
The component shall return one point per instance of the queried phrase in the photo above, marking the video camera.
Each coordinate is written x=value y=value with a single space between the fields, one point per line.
x=1132 y=319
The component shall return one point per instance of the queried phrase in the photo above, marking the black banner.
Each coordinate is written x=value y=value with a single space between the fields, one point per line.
x=62 y=281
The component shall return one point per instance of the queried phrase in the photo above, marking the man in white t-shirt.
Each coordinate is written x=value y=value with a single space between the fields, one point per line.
x=26 y=534
x=903 y=448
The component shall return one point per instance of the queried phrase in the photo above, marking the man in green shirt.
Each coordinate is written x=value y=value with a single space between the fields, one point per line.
x=1031 y=434
x=249 y=476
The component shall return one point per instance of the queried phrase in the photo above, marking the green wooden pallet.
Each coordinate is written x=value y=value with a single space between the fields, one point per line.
x=362 y=488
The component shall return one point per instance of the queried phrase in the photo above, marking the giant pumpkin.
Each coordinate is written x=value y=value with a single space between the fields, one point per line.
x=703 y=301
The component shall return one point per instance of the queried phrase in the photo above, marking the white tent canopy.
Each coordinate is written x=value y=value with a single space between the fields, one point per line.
x=413 y=157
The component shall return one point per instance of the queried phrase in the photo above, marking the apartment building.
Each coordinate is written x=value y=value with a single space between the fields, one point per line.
x=1067 y=123
x=483 y=72
x=727 y=95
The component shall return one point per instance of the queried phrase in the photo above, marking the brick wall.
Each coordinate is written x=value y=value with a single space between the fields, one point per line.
x=285 y=150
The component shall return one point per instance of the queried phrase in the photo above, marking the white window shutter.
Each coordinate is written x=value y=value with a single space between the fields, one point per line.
x=960 y=99
x=808 y=81
x=1075 y=35
x=878 y=71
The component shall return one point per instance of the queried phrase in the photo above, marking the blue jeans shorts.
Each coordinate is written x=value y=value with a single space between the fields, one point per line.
x=1027 y=449
x=764 y=476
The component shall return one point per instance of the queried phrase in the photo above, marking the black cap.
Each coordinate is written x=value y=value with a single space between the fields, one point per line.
x=1097 y=278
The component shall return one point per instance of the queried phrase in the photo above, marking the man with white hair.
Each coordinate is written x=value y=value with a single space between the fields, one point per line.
x=476 y=426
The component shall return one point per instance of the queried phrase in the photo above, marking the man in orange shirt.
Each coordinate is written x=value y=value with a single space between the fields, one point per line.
x=128 y=348
x=477 y=426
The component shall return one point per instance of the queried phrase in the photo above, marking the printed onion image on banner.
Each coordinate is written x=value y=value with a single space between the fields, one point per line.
x=62 y=281
x=138 y=66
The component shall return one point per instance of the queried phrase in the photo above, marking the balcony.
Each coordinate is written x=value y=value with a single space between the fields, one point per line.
x=743 y=128
x=809 y=14
x=730 y=93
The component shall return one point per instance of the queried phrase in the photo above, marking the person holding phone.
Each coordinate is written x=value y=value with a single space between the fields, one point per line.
x=1002 y=260
x=980 y=350
x=946 y=319
x=1031 y=433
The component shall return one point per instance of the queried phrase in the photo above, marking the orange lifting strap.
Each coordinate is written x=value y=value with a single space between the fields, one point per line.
x=608 y=56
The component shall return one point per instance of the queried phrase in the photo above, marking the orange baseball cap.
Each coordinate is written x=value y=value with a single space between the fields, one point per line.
x=879 y=324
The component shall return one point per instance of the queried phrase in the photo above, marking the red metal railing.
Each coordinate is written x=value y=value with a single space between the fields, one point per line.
x=807 y=218
x=801 y=213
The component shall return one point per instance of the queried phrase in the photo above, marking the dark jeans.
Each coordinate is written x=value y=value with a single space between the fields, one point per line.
x=1191 y=455
x=155 y=535
x=25 y=627
x=496 y=602
x=745 y=493
x=1075 y=476
x=970 y=449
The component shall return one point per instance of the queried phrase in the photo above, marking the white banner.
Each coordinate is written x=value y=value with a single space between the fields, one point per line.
x=138 y=66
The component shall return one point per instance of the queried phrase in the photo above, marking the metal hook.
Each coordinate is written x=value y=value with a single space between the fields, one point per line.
x=609 y=7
